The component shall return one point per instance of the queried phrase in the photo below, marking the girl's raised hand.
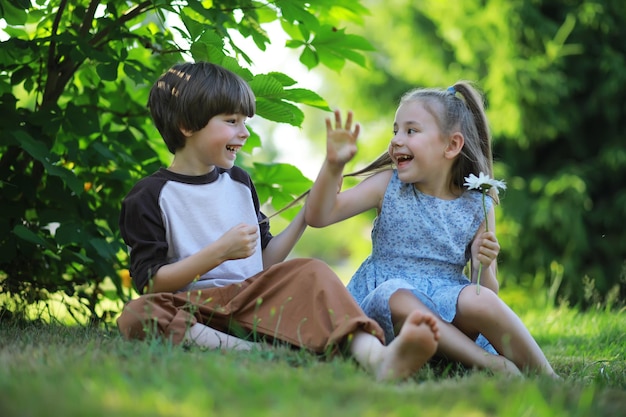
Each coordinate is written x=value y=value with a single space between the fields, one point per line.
x=341 y=140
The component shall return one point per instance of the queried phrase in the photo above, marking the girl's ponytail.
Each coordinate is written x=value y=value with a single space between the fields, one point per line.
x=474 y=102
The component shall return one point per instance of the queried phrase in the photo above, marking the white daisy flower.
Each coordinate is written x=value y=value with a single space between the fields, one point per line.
x=483 y=182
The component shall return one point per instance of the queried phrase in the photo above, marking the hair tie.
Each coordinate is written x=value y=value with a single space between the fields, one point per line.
x=452 y=90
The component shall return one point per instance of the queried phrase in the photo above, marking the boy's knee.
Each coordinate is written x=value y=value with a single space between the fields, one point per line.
x=131 y=323
x=315 y=270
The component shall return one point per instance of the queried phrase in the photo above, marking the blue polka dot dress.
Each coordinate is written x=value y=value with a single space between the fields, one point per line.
x=419 y=243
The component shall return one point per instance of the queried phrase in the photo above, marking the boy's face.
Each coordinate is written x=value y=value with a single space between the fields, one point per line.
x=217 y=143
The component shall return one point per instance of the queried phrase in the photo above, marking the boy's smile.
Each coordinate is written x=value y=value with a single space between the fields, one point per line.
x=233 y=148
x=216 y=144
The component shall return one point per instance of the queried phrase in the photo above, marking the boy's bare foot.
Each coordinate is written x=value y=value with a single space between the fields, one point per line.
x=411 y=349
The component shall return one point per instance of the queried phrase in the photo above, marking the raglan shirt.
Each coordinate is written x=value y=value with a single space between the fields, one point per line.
x=167 y=217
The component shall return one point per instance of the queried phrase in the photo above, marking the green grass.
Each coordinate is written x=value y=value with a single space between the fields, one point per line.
x=56 y=370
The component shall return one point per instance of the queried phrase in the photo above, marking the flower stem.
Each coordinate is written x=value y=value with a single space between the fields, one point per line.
x=480 y=265
x=485 y=211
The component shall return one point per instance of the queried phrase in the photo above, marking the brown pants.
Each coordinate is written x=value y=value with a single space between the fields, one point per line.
x=301 y=302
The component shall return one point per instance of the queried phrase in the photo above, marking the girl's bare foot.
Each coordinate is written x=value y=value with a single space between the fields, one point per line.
x=411 y=349
x=502 y=365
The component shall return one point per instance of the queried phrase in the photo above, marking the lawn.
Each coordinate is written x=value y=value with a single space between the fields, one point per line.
x=58 y=370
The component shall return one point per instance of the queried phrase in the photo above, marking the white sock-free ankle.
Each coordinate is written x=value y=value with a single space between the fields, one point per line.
x=208 y=337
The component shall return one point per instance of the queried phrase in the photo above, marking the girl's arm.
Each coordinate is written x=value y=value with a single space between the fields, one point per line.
x=325 y=205
x=341 y=150
x=279 y=247
x=485 y=249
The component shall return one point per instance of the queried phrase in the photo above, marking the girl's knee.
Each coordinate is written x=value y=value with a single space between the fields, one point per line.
x=404 y=301
x=479 y=305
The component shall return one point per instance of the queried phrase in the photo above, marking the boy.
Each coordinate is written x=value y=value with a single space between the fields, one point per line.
x=201 y=254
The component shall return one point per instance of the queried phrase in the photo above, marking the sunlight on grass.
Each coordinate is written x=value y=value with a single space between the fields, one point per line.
x=61 y=308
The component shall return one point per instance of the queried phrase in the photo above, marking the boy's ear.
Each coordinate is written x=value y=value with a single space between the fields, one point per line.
x=186 y=132
x=455 y=144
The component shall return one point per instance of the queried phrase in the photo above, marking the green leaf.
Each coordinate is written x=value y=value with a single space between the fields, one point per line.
x=292 y=13
x=309 y=57
x=108 y=71
x=334 y=46
x=233 y=65
x=80 y=257
x=194 y=28
x=81 y=120
x=308 y=97
x=338 y=39
x=20 y=4
x=68 y=233
x=266 y=14
x=103 y=150
x=283 y=79
x=281 y=183
x=285 y=177
x=38 y=150
x=292 y=43
x=266 y=86
x=292 y=30
x=51 y=254
x=21 y=74
x=279 y=111
x=15 y=16
x=330 y=59
x=26 y=234
x=102 y=247
x=209 y=37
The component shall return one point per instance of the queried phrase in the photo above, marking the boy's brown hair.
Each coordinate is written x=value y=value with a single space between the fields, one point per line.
x=188 y=95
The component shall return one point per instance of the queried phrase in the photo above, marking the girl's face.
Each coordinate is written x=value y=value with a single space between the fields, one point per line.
x=218 y=142
x=417 y=147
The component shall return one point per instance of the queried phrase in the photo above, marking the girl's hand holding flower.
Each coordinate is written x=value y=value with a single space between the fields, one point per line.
x=486 y=248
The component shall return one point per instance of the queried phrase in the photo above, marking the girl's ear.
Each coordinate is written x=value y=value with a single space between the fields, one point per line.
x=455 y=144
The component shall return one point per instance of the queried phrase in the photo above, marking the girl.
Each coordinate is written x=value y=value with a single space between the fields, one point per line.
x=428 y=228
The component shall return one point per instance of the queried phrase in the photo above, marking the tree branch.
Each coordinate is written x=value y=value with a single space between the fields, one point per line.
x=86 y=23
x=130 y=14
x=59 y=73
x=53 y=34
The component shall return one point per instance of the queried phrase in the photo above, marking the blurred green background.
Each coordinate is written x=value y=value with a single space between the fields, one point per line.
x=74 y=78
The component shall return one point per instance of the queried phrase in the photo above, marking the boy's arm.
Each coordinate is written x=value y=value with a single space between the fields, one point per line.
x=280 y=245
x=239 y=242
